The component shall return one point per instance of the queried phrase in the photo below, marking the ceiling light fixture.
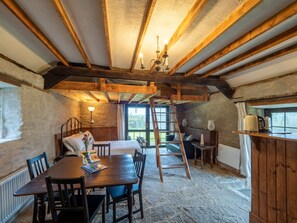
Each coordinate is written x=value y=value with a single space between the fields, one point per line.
x=160 y=63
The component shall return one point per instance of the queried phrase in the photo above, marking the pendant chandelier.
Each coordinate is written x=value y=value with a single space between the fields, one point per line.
x=160 y=64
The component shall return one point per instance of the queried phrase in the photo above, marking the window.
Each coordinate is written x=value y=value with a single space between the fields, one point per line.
x=139 y=122
x=283 y=119
x=10 y=112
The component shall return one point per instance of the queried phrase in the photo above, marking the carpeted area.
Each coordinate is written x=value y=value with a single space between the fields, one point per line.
x=212 y=196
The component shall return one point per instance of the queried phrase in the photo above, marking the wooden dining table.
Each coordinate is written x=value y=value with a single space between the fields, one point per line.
x=120 y=171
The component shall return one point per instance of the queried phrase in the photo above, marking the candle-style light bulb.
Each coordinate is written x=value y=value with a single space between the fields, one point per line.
x=165 y=47
x=141 y=61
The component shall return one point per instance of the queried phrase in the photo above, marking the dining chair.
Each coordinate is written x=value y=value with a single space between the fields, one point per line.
x=142 y=142
x=36 y=166
x=73 y=204
x=102 y=149
x=119 y=193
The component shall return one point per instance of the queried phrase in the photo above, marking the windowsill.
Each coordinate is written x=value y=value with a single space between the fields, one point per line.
x=8 y=140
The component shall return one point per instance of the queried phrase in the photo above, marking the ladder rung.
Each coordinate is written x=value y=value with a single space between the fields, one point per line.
x=168 y=131
x=170 y=142
x=170 y=154
x=173 y=166
x=166 y=121
x=172 y=113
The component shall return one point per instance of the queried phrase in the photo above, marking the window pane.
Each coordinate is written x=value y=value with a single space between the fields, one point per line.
x=291 y=130
x=134 y=135
x=277 y=119
x=276 y=129
x=291 y=119
x=136 y=118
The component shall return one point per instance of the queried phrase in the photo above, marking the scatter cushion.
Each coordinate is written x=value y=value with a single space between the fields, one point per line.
x=189 y=138
x=74 y=143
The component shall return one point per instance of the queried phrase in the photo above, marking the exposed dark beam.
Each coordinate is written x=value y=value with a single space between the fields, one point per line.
x=59 y=73
x=52 y=80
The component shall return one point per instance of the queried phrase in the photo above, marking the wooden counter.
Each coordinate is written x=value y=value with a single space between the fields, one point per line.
x=274 y=177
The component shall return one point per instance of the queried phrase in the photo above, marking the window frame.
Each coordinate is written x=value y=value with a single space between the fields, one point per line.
x=268 y=112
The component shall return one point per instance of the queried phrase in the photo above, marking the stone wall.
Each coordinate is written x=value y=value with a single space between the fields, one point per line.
x=220 y=109
x=105 y=114
x=42 y=115
x=224 y=112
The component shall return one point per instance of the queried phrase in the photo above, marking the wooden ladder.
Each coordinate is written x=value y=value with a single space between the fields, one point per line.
x=158 y=141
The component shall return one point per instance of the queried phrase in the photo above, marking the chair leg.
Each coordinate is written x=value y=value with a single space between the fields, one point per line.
x=114 y=214
x=103 y=211
x=140 y=203
x=107 y=200
x=34 y=220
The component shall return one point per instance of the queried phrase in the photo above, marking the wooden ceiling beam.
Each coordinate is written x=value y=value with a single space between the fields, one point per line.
x=63 y=14
x=131 y=98
x=236 y=15
x=184 y=25
x=196 y=98
x=262 y=60
x=119 y=97
x=121 y=88
x=145 y=98
x=258 y=49
x=145 y=22
x=264 y=27
x=55 y=73
x=114 y=88
x=106 y=31
x=92 y=96
x=25 y=19
x=98 y=72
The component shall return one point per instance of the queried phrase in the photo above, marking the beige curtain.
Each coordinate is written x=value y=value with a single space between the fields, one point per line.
x=121 y=121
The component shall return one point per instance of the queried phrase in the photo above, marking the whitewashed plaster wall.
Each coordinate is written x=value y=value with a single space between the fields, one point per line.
x=42 y=115
x=105 y=114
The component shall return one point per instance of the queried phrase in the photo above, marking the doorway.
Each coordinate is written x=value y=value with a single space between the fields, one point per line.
x=138 y=123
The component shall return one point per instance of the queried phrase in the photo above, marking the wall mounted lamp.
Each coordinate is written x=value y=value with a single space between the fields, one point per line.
x=91 y=109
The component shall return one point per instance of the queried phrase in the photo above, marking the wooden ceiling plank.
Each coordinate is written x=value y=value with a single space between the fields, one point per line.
x=236 y=15
x=106 y=95
x=146 y=97
x=262 y=60
x=131 y=98
x=106 y=31
x=25 y=19
x=63 y=14
x=92 y=96
x=184 y=25
x=145 y=22
x=258 y=49
x=264 y=27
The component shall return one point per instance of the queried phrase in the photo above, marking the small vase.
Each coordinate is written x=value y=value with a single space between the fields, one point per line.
x=210 y=125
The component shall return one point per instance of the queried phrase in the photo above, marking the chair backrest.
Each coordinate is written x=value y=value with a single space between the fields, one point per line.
x=37 y=165
x=139 y=163
x=102 y=149
x=68 y=195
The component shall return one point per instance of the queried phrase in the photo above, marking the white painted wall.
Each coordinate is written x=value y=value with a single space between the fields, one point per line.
x=229 y=156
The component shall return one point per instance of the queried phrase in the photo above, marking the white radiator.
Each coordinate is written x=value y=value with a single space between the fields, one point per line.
x=9 y=205
x=229 y=156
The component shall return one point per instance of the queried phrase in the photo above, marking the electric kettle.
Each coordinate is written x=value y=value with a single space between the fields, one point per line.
x=251 y=123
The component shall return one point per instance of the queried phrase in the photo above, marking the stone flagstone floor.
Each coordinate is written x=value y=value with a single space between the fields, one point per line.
x=212 y=196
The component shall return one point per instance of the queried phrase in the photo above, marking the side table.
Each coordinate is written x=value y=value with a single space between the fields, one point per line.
x=202 y=149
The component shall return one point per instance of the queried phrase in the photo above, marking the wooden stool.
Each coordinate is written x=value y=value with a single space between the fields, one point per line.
x=202 y=149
